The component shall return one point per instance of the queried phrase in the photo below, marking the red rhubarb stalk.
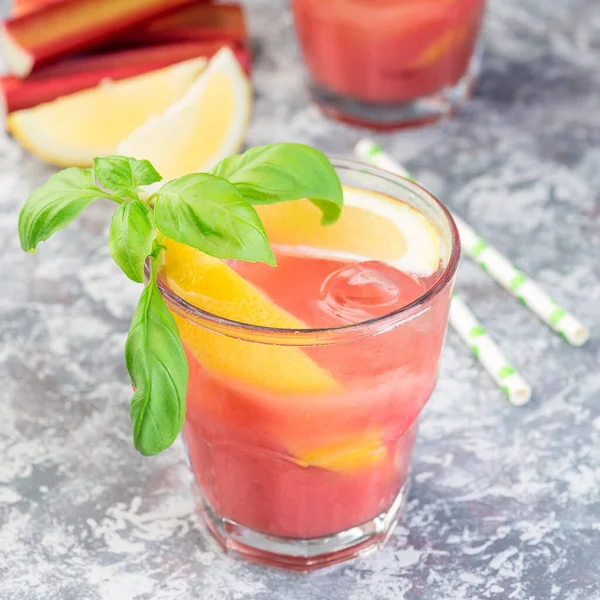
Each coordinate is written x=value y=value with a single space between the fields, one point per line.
x=82 y=72
x=201 y=21
x=61 y=28
x=195 y=22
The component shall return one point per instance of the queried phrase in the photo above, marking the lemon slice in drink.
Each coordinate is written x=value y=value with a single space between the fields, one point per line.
x=74 y=129
x=372 y=226
x=206 y=125
x=209 y=284
x=354 y=454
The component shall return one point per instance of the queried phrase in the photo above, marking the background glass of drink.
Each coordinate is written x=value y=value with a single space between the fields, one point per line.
x=302 y=474
x=390 y=63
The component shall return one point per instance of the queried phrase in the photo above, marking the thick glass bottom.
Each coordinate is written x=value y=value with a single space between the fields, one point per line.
x=384 y=116
x=302 y=555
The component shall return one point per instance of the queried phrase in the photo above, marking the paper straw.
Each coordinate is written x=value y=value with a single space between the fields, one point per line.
x=487 y=352
x=515 y=282
x=461 y=319
x=522 y=287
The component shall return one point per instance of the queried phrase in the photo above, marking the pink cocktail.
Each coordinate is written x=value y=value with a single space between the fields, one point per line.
x=388 y=63
x=300 y=438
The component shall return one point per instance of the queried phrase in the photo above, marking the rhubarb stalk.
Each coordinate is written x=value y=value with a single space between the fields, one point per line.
x=201 y=21
x=196 y=22
x=82 y=72
x=61 y=28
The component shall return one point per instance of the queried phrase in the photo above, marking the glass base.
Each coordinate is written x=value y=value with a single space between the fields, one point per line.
x=384 y=116
x=303 y=555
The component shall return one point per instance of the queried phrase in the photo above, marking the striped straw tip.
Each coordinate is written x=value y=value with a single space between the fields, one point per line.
x=575 y=332
x=519 y=395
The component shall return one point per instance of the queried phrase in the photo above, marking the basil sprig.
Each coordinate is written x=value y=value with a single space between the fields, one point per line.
x=211 y=212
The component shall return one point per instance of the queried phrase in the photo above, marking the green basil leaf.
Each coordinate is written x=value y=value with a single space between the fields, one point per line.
x=279 y=172
x=209 y=213
x=55 y=204
x=124 y=175
x=131 y=237
x=158 y=369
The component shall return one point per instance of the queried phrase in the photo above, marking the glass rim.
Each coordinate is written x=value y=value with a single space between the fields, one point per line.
x=310 y=336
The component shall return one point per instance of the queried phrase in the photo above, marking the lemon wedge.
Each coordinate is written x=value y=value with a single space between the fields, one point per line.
x=209 y=284
x=372 y=226
x=206 y=125
x=74 y=129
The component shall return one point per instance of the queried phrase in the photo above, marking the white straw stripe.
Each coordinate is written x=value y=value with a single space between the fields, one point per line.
x=464 y=322
x=526 y=290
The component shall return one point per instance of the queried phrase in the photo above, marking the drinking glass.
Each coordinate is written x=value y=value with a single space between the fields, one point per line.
x=303 y=478
x=390 y=63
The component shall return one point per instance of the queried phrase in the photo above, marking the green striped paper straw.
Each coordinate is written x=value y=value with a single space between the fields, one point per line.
x=461 y=319
x=487 y=352
x=515 y=282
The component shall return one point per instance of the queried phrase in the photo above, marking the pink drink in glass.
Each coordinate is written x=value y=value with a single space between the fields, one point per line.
x=388 y=63
x=303 y=480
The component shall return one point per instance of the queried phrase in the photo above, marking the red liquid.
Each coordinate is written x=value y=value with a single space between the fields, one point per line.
x=258 y=457
x=387 y=51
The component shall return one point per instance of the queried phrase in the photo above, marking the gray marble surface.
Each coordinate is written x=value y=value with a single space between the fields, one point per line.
x=505 y=502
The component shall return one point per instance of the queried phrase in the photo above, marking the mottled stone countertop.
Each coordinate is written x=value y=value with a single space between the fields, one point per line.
x=505 y=502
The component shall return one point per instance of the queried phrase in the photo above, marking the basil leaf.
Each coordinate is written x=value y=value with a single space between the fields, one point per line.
x=55 y=204
x=209 y=213
x=158 y=369
x=124 y=175
x=131 y=237
x=278 y=172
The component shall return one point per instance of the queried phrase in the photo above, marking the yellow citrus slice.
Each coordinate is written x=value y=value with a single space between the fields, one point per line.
x=351 y=455
x=74 y=129
x=372 y=226
x=206 y=125
x=209 y=284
